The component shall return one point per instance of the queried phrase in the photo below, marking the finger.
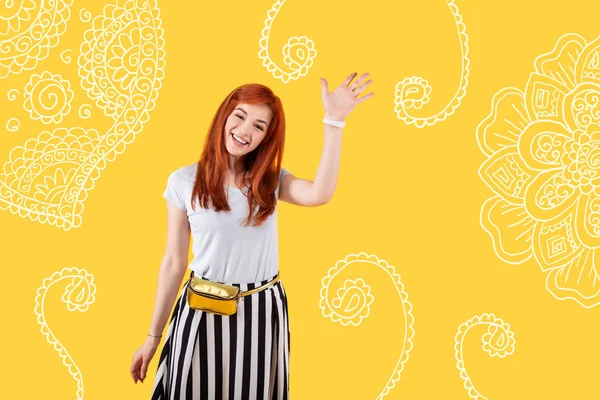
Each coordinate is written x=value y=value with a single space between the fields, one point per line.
x=359 y=81
x=366 y=97
x=349 y=78
x=324 y=86
x=144 y=370
x=359 y=90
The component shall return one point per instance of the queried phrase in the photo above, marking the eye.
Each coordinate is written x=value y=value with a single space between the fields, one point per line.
x=259 y=127
x=239 y=116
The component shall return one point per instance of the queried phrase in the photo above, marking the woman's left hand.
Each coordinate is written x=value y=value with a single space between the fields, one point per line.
x=339 y=103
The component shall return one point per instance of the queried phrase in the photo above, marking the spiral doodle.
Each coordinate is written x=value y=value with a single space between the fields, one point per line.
x=78 y=296
x=12 y=94
x=351 y=305
x=542 y=146
x=85 y=111
x=413 y=92
x=13 y=125
x=65 y=57
x=121 y=66
x=85 y=15
x=48 y=97
x=28 y=34
x=498 y=341
x=298 y=53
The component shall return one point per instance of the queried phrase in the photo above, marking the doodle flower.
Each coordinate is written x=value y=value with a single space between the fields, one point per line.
x=15 y=16
x=48 y=97
x=299 y=53
x=543 y=165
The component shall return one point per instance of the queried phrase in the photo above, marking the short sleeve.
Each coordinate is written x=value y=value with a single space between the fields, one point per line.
x=173 y=191
x=282 y=174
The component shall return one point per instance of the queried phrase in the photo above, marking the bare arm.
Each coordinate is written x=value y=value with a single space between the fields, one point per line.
x=303 y=192
x=338 y=104
x=173 y=267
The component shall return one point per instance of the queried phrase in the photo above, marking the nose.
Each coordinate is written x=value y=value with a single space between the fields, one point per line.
x=244 y=128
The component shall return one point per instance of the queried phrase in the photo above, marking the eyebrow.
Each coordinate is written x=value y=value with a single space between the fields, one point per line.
x=258 y=120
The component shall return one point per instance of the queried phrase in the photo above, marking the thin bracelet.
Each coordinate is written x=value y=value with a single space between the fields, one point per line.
x=339 y=124
x=155 y=336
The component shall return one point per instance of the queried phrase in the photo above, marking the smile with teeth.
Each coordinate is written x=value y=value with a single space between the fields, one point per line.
x=238 y=139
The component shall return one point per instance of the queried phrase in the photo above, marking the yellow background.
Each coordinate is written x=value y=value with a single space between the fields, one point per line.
x=410 y=196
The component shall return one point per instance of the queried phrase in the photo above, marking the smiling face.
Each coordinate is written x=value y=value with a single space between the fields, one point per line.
x=247 y=123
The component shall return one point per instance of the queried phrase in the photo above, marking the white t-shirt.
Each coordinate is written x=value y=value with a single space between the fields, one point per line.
x=225 y=250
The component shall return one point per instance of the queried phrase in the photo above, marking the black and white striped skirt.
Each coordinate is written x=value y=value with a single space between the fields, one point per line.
x=244 y=356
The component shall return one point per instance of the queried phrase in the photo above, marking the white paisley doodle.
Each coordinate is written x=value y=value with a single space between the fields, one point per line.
x=65 y=57
x=13 y=125
x=498 y=341
x=85 y=15
x=12 y=94
x=413 y=92
x=351 y=304
x=298 y=53
x=78 y=295
x=28 y=29
x=125 y=88
x=48 y=97
x=542 y=147
x=85 y=111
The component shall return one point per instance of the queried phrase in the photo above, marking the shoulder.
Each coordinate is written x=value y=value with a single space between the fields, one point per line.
x=184 y=172
x=283 y=173
x=188 y=171
x=182 y=177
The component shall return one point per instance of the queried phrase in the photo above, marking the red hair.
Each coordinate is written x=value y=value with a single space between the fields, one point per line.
x=261 y=166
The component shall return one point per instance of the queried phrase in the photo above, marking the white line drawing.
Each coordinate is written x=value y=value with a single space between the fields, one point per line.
x=78 y=295
x=541 y=146
x=121 y=66
x=298 y=53
x=28 y=34
x=85 y=15
x=498 y=341
x=119 y=77
x=85 y=111
x=65 y=57
x=351 y=305
x=13 y=125
x=12 y=94
x=47 y=97
x=413 y=92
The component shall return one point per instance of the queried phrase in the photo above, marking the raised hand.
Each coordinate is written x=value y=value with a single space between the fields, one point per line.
x=339 y=103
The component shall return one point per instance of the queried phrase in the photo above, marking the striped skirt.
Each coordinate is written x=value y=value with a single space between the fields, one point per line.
x=244 y=356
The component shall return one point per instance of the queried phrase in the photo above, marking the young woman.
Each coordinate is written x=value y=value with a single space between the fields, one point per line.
x=244 y=355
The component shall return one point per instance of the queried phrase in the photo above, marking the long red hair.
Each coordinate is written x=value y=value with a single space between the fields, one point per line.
x=261 y=166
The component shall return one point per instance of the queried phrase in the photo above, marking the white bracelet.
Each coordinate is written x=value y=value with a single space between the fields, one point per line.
x=339 y=124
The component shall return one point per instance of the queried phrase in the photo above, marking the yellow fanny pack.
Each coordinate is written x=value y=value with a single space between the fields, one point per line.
x=218 y=298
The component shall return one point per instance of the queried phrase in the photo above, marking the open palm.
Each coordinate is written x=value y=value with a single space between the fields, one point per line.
x=339 y=103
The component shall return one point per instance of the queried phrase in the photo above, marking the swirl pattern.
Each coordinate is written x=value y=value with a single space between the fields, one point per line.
x=48 y=97
x=498 y=341
x=351 y=305
x=85 y=111
x=78 y=295
x=122 y=59
x=12 y=94
x=49 y=177
x=413 y=92
x=13 y=125
x=298 y=53
x=28 y=30
x=543 y=166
